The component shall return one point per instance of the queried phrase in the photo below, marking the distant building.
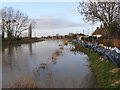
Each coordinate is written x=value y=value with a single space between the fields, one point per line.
x=54 y=37
x=49 y=37
x=79 y=35
x=99 y=32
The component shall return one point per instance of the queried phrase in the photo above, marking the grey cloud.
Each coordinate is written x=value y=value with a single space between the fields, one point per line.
x=46 y=23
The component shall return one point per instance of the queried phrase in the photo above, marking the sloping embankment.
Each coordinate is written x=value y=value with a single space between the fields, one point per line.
x=106 y=73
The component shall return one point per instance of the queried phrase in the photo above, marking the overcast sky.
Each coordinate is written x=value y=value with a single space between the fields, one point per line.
x=53 y=17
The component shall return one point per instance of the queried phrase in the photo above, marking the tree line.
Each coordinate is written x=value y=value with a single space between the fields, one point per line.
x=107 y=13
x=14 y=23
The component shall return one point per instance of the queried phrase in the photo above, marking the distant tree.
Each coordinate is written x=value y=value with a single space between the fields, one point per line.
x=30 y=31
x=31 y=26
x=105 y=12
x=3 y=31
x=14 y=22
x=74 y=36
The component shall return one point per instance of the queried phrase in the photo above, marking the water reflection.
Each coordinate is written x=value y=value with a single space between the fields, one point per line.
x=68 y=69
x=30 y=48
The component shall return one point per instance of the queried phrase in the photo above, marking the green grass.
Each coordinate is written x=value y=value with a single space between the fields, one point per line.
x=101 y=69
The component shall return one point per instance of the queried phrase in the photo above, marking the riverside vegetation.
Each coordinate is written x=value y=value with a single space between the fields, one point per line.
x=21 y=41
x=106 y=73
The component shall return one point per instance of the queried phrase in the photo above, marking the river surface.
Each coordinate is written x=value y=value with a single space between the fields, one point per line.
x=68 y=70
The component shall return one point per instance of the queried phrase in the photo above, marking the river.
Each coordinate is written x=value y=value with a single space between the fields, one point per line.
x=67 y=70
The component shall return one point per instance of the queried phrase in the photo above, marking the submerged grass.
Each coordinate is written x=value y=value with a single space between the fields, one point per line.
x=101 y=69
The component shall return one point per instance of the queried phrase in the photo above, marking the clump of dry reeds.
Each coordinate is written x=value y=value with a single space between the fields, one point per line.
x=24 y=82
x=61 y=47
x=66 y=42
x=43 y=67
x=43 y=64
x=57 y=53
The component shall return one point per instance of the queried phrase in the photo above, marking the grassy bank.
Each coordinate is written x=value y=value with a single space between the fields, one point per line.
x=21 y=41
x=105 y=71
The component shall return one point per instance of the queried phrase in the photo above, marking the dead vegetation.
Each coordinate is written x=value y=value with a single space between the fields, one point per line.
x=115 y=70
x=117 y=82
x=66 y=42
x=61 y=47
x=39 y=67
x=43 y=64
x=57 y=53
x=24 y=82
x=102 y=59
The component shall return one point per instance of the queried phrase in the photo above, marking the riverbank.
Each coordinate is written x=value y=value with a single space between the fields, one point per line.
x=106 y=73
x=21 y=41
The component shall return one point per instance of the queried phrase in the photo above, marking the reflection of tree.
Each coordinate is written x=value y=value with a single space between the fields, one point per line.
x=30 y=48
x=8 y=57
x=17 y=47
x=3 y=54
x=10 y=53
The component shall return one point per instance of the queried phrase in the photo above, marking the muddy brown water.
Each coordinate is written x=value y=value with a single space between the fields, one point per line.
x=69 y=69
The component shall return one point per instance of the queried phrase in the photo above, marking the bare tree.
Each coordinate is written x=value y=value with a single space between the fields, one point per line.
x=105 y=12
x=14 y=22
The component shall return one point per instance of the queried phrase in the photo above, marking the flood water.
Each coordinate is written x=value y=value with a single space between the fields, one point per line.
x=69 y=69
